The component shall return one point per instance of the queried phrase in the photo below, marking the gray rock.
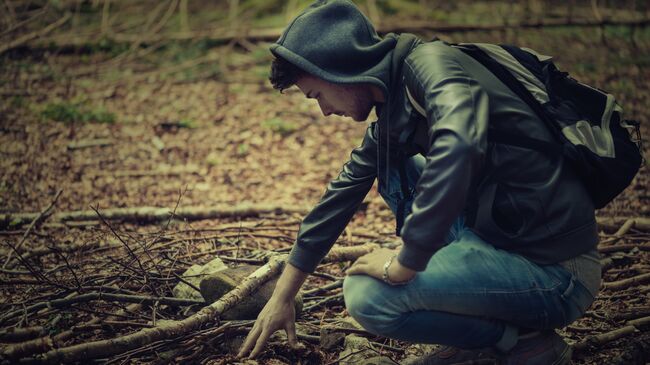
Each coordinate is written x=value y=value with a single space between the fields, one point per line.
x=359 y=351
x=194 y=275
x=215 y=286
x=331 y=335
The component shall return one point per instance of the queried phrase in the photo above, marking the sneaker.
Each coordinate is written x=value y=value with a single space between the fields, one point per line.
x=447 y=355
x=545 y=348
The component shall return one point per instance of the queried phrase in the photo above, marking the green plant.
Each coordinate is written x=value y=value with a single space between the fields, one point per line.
x=72 y=113
x=242 y=149
x=187 y=123
x=17 y=102
x=280 y=126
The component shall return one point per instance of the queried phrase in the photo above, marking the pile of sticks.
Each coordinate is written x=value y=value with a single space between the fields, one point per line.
x=110 y=297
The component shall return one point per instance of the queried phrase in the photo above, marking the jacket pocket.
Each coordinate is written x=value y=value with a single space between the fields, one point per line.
x=505 y=212
x=499 y=216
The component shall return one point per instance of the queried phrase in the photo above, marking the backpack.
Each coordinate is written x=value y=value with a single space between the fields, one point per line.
x=586 y=122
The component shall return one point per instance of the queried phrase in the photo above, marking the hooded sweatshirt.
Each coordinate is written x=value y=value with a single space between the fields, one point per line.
x=335 y=41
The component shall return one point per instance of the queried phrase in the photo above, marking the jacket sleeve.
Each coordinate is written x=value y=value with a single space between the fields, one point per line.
x=327 y=220
x=457 y=113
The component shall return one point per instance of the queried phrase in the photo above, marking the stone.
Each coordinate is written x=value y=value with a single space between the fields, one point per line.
x=194 y=275
x=377 y=360
x=330 y=334
x=359 y=351
x=416 y=352
x=215 y=286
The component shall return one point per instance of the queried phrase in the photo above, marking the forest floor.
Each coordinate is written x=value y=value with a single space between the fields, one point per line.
x=167 y=131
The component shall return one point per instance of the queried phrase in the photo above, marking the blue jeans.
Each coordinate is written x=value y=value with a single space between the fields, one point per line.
x=471 y=294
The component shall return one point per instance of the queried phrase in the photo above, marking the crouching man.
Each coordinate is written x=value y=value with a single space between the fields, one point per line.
x=499 y=242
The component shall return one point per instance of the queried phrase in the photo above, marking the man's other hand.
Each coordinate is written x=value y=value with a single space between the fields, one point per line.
x=372 y=264
x=277 y=314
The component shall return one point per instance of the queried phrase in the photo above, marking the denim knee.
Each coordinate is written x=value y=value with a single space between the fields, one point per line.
x=367 y=302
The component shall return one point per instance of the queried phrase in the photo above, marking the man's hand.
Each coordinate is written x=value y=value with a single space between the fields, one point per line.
x=276 y=314
x=372 y=264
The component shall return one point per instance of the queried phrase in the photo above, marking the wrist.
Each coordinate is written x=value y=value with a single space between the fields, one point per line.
x=398 y=272
x=395 y=273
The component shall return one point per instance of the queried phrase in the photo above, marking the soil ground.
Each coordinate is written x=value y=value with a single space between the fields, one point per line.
x=219 y=135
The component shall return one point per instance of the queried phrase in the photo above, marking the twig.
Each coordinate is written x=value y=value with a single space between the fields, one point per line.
x=171 y=330
x=34 y=346
x=26 y=21
x=626 y=283
x=335 y=285
x=28 y=37
x=39 y=218
x=603 y=338
x=226 y=34
x=21 y=334
x=101 y=142
x=626 y=247
x=67 y=264
x=154 y=214
x=616 y=223
x=83 y=298
x=334 y=298
x=130 y=251
x=114 y=346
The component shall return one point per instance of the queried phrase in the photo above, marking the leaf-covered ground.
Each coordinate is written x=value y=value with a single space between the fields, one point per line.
x=214 y=133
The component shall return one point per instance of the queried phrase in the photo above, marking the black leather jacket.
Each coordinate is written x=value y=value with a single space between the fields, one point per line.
x=514 y=198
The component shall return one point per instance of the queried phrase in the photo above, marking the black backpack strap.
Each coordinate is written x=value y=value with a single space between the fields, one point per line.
x=520 y=90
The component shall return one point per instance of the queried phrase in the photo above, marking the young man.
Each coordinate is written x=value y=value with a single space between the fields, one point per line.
x=499 y=242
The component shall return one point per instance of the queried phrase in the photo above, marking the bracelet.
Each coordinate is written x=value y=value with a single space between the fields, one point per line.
x=385 y=277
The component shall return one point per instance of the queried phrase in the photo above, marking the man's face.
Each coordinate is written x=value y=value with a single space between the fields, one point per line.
x=351 y=100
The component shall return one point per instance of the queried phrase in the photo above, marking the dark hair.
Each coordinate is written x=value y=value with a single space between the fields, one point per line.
x=284 y=74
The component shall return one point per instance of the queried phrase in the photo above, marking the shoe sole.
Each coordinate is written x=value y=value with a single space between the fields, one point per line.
x=563 y=359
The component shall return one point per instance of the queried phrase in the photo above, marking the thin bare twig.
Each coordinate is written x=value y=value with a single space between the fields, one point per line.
x=39 y=218
x=130 y=251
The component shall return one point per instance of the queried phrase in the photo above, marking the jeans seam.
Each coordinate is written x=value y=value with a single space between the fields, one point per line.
x=493 y=291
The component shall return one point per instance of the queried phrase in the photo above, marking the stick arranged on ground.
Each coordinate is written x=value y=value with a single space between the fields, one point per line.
x=624 y=224
x=39 y=218
x=28 y=37
x=118 y=345
x=169 y=330
x=626 y=283
x=226 y=35
x=603 y=338
x=154 y=214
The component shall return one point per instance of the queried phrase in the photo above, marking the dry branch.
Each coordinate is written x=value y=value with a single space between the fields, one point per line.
x=37 y=345
x=28 y=37
x=86 y=143
x=118 y=345
x=154 y=214
x=65 y=335
x=83 y=298
x=349 y=253
x=226 y=35
x=173 y=329
x=39 y=218
x=21 y=334
x=626 y=283
x=616 y=223
x=603 y=338
x=626 y=247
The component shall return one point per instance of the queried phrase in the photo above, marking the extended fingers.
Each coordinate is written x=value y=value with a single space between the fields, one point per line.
x=261 y=341
x=251 y=339
x=291 y=334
